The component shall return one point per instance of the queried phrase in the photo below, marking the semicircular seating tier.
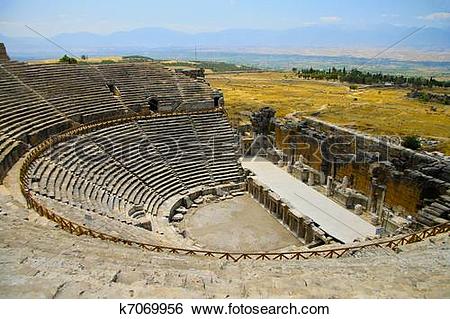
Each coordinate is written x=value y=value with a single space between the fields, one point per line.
x=129 y=170
x=39 y=100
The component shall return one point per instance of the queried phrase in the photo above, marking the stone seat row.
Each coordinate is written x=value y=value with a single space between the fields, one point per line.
x=94 y=173
x=25 y=119
x=39 y=100
x=135 y=81
x=60 y=184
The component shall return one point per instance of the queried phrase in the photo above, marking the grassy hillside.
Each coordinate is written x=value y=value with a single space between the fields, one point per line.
x=384 y=111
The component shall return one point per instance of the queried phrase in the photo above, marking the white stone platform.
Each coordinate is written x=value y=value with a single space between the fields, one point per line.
x=332 y=218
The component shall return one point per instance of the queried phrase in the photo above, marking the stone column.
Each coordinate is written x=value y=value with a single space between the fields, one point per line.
x=380 y=203
x=289 y=169
x=286 y=213
x=301 y=228
x=311 y=178
x=289 y=217
x=329 y=186
x=265 y=198
x=277 y=207
x=281 y=210
x=322 y=178
x=260 y=194
x=292 y=221
x=305 y=175
x=344 y=184
x=372 y=196
x=273 y=205
x=309 y=235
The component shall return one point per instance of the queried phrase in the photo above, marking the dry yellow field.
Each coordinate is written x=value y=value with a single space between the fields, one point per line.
x=384 y=111
x=114 y=58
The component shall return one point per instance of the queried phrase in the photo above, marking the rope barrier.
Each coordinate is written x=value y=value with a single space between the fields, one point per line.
x=74 y=228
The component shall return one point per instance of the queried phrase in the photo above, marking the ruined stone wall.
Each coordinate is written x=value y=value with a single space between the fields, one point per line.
x=403 y=193
x=291 y=143
x=412 y=179
x=280 y=135
x=3 y=55
x=357 y=174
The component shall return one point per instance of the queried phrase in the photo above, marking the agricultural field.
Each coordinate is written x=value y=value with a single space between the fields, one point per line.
x=378 y=111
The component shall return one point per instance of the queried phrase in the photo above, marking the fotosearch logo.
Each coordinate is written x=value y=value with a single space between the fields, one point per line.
x=333 y=149
x=91 y=148
x=290 y=309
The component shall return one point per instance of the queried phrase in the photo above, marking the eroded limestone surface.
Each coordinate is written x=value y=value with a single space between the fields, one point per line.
x=40 y=260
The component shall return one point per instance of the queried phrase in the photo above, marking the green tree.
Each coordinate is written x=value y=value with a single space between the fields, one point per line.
x=68 y=60
x=412 y=142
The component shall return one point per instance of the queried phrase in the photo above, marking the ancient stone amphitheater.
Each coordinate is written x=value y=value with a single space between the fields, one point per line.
x=99 y=163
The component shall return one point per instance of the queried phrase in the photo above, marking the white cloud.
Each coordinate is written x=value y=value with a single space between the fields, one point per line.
x=331 y=19
x=437 y=16
x=10 y=23
x=390 y=15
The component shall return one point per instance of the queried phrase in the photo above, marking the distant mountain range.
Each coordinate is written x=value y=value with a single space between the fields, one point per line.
x=317 y=36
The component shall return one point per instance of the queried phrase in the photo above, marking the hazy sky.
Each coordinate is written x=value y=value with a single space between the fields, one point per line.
x=106 y=16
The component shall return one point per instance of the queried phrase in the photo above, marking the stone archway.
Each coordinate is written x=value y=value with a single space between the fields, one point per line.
x=153 y=104
x=216 y=101
x=380 y=172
